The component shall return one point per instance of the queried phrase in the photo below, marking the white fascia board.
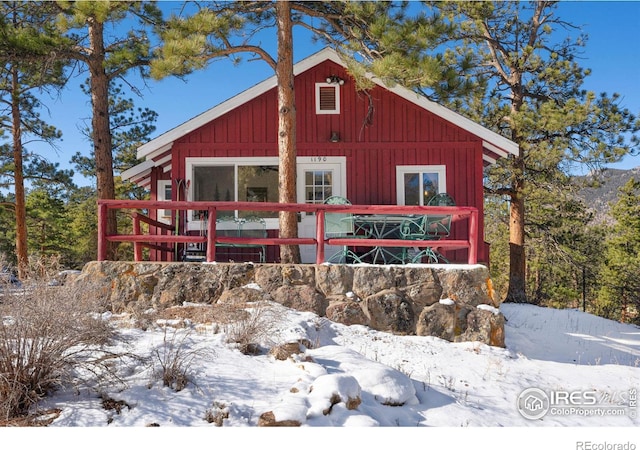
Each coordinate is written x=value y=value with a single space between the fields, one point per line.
x=137 y=170
x=154 y=153
x=493 y=149
x=489 y=159
x=166 y=140
x=163 y=160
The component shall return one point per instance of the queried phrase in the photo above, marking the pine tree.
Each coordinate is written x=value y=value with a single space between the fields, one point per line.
x=107 y=57
x=534 y=97
x=27 y=53
x=619 y=296
x=379 y=32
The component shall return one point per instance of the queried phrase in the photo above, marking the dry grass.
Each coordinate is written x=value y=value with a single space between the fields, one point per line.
x=45 y=334
x=255 y=327
x=174 y=358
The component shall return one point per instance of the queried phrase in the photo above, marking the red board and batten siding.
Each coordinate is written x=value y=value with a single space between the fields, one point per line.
x=400 y=133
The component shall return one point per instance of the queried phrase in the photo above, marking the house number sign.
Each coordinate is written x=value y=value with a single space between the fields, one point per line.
x=318 y=159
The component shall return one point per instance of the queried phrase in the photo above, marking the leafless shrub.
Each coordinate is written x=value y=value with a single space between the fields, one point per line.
x=45 y=336
x=43 y=268
x=174 y=358
x=252 y=329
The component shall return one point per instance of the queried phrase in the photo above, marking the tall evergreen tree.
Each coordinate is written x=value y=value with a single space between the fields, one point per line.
x=29 y=64
x=107 y=57
x=381 y=34
x=619 y=296
x=131 y=127
x=535 y=98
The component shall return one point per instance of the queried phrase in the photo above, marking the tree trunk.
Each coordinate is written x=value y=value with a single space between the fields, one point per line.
x=517 y=258
x=286 y=131
x=22 y=254
x=100 y=125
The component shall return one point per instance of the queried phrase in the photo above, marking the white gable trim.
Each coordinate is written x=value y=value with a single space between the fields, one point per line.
x=138 y=170
x=168 y=138
x=492 y=141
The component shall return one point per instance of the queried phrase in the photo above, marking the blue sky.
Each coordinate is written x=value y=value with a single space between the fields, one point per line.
x=612 y=52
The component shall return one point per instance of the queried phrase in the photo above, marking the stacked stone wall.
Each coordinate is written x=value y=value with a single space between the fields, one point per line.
x=452 y=302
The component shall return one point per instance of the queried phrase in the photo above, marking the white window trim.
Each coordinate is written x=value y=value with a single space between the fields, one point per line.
x=336 y=163
x=190 y=163
x=162 y=213
x=441 y=170
x=336 y=88
x=339 y=162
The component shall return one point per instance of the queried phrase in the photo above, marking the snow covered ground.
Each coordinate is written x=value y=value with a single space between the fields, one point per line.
x=581 y=374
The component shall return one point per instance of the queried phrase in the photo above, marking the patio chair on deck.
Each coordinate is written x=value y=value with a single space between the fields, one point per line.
x=430 y=228
x=341 y=225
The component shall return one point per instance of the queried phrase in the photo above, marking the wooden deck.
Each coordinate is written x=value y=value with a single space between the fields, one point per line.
x=165 y=234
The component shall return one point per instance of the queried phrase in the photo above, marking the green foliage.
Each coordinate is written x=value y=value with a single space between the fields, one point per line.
x=619 y=295
x=130 y=128
x=530 y=90
x=390 y=39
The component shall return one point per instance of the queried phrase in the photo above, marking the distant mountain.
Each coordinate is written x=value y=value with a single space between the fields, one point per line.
x=604 y=191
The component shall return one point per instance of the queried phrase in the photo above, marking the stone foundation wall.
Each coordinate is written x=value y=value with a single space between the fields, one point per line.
x=452 y=302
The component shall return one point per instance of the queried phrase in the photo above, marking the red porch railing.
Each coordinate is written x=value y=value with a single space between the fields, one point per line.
x=157 y=240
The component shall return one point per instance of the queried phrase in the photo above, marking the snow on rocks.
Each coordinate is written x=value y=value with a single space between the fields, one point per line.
x=332 y=386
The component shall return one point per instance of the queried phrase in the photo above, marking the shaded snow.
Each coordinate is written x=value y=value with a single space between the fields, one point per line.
x=402 y=381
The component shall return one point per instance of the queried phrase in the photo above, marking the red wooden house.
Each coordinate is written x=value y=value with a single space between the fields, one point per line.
x=389 y=146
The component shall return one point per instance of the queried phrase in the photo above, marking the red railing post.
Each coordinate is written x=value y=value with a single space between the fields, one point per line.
x=473 y=237
x=212 y=215
x=137 y=246
x=102 y=231
x=319 y=236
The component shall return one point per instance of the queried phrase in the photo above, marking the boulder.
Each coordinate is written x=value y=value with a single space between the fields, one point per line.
x=346 y=311
x=268 y=419
x=388 y=310
x=456 y=322
x=484 y=325
x=396 y=299
x=472 y=287
x=241 y=296
x=302 y=298
x=334 y=279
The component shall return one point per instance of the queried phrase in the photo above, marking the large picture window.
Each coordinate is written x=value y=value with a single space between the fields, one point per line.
x=416 y=185
x=240 y=180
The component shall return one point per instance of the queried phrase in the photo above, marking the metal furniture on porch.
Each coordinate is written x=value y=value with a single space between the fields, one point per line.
x=382 y=226
x=342 y=225
x=249 y=227
x=427 y=227
x=158 y=238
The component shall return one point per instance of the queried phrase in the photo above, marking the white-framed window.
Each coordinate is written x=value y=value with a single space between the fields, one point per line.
x=320 y=177
x=417 y=184
x=327 y=98
x=235 y=180
x=164 y=195
x=256 y=179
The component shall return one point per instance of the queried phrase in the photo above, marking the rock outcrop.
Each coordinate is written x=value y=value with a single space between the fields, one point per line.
x=452 y=302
